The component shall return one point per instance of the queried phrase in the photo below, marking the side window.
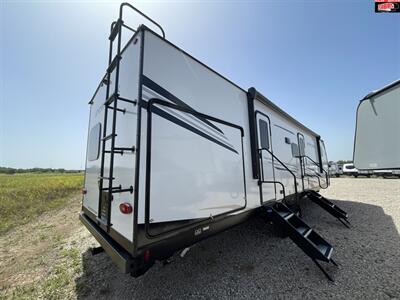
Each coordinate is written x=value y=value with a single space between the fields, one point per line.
x=94 y=142
x=324 y=157
x=301 y=146
x=295 y=150
x=264 y=138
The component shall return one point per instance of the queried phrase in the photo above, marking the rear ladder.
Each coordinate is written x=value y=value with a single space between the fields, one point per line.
x=111 y=103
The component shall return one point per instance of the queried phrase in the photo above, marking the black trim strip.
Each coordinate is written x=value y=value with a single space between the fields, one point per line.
x=318 y=138
x=138 y=145
x=166 y=94
x=253 y=135
x=169 y=117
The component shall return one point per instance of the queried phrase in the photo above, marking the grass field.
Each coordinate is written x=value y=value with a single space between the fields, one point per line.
x=23 y=197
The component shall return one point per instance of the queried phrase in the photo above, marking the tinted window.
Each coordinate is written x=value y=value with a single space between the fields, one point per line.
x=324 y=157
x=301 y=146
x=94 y=142
x=295 y=150
x=264 y=140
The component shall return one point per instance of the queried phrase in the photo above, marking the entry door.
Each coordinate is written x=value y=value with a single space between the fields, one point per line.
x=266 y=161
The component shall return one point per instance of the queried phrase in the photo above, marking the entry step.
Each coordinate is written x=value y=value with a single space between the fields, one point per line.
x=331 y=208
x=306 y=238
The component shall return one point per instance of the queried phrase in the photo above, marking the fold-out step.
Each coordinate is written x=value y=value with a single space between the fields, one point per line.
x=331 y=208
x=301 y=234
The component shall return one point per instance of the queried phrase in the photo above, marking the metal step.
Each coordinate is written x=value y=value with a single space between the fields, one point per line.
x=331 y=208
x=316 y=247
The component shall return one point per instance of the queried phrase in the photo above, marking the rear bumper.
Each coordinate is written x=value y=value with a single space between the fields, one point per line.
x=118 y=255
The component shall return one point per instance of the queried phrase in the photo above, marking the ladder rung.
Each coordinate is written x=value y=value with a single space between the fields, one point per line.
x=115 y=152
x=110 y=136
x=114 y=63
x=112 y=188
x=125 y=149
x=130 y=189
x=134 y=102
x=108 y=178
x=115 y=30
x=117 y=109
x=111 y=99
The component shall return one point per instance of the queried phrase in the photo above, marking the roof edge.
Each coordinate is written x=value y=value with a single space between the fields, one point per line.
x=257 y=95
x=385 y=88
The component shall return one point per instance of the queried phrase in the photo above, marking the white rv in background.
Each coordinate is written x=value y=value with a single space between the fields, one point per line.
x=349 y=169
x=377 y=134
x=177 y=153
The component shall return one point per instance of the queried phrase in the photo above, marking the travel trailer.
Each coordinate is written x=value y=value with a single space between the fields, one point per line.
x=177 y=153
x=376 y=140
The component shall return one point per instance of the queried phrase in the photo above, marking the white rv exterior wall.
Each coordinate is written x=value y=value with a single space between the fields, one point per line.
x=208 y=93
x=377 y=138
x=126 y=130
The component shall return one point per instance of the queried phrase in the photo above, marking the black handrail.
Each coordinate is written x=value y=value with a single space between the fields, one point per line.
x=142 y=14
x=290 y=171
x=318 y=165
x=262 y=180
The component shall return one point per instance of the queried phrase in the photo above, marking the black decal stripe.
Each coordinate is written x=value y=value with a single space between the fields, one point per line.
x=163 y=92
x=179 y=122
x=173 y=112
x=151 y=94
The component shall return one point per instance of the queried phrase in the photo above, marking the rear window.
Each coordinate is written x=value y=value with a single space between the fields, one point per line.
x=94 y=142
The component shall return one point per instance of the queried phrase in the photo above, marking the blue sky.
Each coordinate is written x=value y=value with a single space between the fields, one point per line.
x=315 y=59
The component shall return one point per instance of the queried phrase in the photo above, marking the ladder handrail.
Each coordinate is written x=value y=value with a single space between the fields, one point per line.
x=139 y=12
x=318 y=165
x=290 y=171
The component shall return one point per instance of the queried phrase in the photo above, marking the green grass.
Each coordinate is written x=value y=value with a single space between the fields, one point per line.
x=25 y=196
x=60 y=276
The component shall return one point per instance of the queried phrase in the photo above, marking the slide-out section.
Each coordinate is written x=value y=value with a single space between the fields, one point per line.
x=195 y=169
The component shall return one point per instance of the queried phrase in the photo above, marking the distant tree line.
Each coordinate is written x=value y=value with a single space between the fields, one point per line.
x=5 y=170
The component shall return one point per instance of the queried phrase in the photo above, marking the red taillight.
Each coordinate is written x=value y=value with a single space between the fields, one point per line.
x=84 y=191
x=125 y=208
x=146 y=255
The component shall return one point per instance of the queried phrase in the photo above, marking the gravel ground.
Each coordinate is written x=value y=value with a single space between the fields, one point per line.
x=251 y=261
